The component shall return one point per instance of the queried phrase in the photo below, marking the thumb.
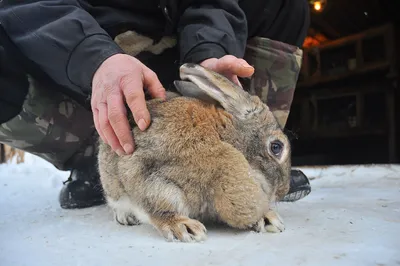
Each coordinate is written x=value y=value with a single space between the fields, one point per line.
x=242 y=69
x=235 y=66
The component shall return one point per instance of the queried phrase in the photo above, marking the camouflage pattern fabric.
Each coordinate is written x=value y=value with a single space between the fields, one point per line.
x=277 y=67
x=50 y=125
x=56 y=128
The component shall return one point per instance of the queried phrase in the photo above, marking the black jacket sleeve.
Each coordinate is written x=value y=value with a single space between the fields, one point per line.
x=211 y=28
x=59 y=36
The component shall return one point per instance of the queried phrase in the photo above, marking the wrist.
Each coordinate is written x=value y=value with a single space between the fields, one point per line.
x=88 y=56
x=105 y=63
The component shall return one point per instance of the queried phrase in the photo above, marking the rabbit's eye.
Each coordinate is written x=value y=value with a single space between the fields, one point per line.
x=276 y=147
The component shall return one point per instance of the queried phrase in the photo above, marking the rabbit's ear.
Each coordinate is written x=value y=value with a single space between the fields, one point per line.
x=232 y=97
x=189 y=89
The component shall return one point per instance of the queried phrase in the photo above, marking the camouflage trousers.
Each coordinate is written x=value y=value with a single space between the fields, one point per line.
x=58 y=129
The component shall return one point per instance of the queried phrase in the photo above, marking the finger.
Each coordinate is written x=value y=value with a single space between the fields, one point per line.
x=119 y=122
x=107 y=129
x=97 y=126
x=246 y=70
x=209 y=63
x=234 y=65
x=134 y=95
x=152 y=83
x=93 y=103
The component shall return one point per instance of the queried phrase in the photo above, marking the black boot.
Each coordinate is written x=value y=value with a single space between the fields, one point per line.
x=299 y=187
x=82 y=189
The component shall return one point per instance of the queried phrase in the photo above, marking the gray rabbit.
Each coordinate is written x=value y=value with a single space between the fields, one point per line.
x=214 y=153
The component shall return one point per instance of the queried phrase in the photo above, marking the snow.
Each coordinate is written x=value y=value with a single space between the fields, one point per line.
x=352 y=217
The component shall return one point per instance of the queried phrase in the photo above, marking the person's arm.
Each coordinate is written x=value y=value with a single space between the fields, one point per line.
x=70 y=46
x=59 y=36
x=211 y=29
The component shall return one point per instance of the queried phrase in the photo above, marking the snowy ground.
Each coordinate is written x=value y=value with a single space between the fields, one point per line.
x=352 y=217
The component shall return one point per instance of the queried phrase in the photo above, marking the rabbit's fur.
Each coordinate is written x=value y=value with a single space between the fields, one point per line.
x=201 y=160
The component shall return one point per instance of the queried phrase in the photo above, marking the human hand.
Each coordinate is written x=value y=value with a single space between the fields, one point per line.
x=121 y=78
x=229 y=66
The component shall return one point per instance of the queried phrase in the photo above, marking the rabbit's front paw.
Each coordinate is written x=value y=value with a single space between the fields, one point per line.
x=271 y=222
x=274 y=222
x=181 y=228
x=125 y=218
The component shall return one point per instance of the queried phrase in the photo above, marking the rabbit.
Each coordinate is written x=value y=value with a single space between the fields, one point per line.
x=212 y=153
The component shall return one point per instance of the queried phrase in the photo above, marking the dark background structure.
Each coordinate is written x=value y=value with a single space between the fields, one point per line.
x=347 y=100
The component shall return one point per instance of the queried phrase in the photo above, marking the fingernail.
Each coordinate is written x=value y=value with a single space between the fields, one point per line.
x=128 y=148
x=247 y=65
x=142 y=124
x=119 y=152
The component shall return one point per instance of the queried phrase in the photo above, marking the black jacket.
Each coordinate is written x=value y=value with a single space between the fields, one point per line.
x=69 y=39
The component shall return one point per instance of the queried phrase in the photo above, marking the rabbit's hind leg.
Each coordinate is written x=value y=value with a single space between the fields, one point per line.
x=124 y=210
x=118 y=200
x=165 y=206
x=179 y=227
